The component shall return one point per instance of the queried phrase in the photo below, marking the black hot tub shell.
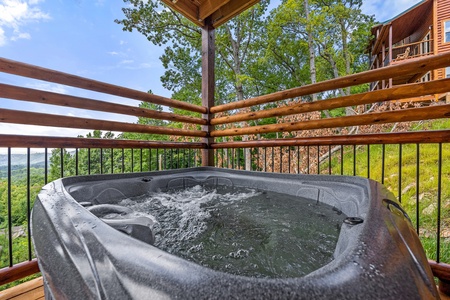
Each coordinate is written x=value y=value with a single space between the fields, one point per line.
x=82 y=257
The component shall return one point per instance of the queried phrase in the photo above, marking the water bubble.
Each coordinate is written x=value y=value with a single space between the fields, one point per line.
x=217 y=257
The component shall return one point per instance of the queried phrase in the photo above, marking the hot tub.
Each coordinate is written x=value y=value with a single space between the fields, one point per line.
x=84 y=255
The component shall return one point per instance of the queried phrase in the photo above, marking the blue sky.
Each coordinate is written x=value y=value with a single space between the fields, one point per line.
x=81 y=38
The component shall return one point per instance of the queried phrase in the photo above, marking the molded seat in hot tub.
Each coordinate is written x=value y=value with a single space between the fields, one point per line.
x=83 y=256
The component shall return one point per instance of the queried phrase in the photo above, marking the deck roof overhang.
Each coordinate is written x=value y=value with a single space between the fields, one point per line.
x=403 y=25
x=219 y=11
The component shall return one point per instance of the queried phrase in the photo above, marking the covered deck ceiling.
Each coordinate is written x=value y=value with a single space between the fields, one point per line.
x=219 y=11
x=403 y=25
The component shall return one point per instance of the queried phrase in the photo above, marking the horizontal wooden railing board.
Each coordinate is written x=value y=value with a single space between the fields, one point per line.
x=27 y=70
x=395 y=93
x=417 y=66
x=405 y=115
x=440 y=270
x=18 y=271
x=422 y=137
x=29 y=141
x=44 y=97
x=40 y=119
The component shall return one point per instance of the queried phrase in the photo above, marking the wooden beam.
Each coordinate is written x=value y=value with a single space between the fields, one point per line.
x=422 y=137
x=208 y=87
x=210 y=6
x=40 y=119
x=442 y=272
x=187 y=9
x=26 y=70
x=233 y=8
x=395 y=93
x=38 y=96
x=405 y=115
x=380 y=39
x=421 y=65
x=29 y=141
x=18 y=271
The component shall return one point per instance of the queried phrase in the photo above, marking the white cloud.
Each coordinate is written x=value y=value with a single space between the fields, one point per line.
x=113 y=53
x=126 y=61
x=49 y=87
x=25 y=36
x=15 y=15
x=2 y=37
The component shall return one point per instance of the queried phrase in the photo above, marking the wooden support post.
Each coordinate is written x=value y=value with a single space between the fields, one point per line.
x=208 y=86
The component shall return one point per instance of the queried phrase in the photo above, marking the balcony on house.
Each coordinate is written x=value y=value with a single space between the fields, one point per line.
x=413 y=34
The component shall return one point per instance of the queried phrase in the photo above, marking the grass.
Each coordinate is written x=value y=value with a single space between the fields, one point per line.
x=403 y=164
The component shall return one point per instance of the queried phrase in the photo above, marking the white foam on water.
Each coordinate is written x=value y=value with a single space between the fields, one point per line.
x=183 y=209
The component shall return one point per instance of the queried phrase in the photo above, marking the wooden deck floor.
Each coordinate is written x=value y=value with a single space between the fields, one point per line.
x=31 y=290
x=34 y=290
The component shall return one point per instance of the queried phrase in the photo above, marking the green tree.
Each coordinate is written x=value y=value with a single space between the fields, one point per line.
x=333 y=35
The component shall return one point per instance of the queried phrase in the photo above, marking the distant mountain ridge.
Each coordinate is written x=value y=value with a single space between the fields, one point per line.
x=18 y=160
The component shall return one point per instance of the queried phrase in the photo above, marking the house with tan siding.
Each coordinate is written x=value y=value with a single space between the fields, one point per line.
x=419 y=31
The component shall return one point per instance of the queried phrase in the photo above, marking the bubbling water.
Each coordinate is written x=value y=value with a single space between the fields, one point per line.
x=243 y=231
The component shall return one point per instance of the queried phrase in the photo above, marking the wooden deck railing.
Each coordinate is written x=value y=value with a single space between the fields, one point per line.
x=251 y=147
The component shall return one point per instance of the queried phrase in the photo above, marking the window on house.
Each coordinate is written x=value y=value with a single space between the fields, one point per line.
x=447 y=31
x=447 y=72
x=426 y=77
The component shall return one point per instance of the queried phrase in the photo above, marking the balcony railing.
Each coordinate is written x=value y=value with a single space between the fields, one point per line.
x=309 y=145
x=402 y=53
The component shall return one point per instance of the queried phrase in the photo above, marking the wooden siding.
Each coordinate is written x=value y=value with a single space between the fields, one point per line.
x=443 y=14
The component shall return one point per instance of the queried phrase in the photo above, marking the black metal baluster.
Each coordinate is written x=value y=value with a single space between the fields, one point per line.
x=123 y=160
x=9 y=204
x=289 y=160
x=165 y=158
x=76 y=161
x=101 y=160
x=265 y=159
x=329 y=159
x=417 y=186
x=132 y=160
x=89 y=161
x=318 y=159
x=61 y=163
x=112 y=161
x=141 y=160
x=308 y=160
x=273 y=161
x=149 y=159
x=157 y=159
x=238 y=158
x=438 y=233
x=46 y=166
x=189 y=158
x=29 y=204
x=281 y=159
x=400 y=154
x=383 y=159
